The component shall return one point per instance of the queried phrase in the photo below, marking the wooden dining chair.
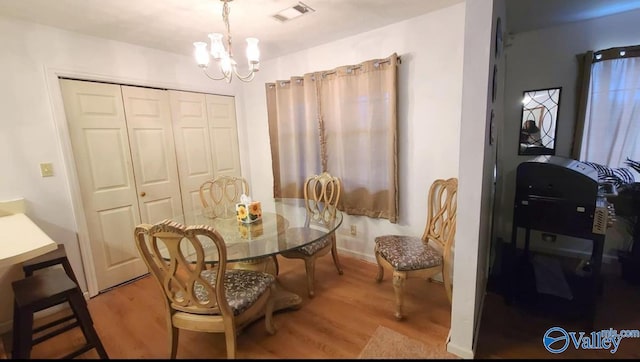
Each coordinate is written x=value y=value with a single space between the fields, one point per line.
x=215 y=300
x=321 y=196
x=219 y=195
x=412 y=256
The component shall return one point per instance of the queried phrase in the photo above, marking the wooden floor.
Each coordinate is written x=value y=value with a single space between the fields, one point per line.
x=339 y=321
x=336 y=324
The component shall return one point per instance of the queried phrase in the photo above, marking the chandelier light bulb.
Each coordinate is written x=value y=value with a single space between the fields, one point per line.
x=225 y=64
x=253 y=53
x=201 y=53
x=217 y=49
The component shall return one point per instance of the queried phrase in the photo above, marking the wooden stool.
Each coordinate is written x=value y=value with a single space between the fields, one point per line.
x=50 y=259
x=45 y=290
x=58 y=256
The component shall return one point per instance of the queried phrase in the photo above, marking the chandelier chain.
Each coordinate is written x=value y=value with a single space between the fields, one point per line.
x=225 y=18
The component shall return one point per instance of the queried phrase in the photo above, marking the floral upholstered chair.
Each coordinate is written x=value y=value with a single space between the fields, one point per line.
x=215 y=300
x=321 y=196
x=411 y=256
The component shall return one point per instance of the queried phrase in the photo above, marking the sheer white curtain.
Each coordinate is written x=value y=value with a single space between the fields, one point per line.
x=342 y=121
x=612 y=118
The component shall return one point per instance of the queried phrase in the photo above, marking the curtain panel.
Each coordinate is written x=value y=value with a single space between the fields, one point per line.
x=294 y=134
x=582 y=91
x=607 y=117
x=342 y=121
x=612 y=117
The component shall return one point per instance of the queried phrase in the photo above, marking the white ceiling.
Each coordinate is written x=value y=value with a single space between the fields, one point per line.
x=173 y=25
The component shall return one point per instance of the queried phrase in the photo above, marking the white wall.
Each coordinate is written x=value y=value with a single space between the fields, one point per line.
x=543 y=59
x=32 y=119
x=476 y=180
x=430 y=87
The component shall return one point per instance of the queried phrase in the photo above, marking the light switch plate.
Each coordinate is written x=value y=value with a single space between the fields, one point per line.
x=46 y=169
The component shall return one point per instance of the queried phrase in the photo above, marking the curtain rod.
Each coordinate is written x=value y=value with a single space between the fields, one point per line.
x=349 y=69
x=616 y=53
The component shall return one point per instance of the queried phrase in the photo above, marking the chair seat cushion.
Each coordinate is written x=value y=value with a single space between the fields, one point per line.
x=313 y=248
x=406 y=253
x=242 y=287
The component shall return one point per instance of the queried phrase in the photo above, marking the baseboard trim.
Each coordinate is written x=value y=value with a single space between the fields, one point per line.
x=358 y=255
x=459 y=351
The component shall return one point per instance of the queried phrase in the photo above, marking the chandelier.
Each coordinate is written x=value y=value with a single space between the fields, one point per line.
x=224 y=56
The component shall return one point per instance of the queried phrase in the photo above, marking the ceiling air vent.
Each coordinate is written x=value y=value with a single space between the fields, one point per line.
x=293 y=12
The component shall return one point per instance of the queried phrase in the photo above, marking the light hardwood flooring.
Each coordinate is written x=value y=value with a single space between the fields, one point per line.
x=339 y=321
x=336 y=324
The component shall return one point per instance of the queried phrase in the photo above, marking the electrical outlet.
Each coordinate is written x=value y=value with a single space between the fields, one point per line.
x=354 y=231
x=46 y=169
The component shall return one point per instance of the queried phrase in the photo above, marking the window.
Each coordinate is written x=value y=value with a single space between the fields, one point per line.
x=344 y=122
x=609 y=117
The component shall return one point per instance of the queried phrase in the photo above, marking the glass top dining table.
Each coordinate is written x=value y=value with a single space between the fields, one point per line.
x=284 y=225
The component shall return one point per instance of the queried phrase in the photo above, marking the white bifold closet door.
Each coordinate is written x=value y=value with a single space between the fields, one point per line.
x=206 y=139
x=140 y=156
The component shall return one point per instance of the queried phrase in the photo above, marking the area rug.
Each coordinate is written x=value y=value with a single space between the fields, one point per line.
x=387 y=343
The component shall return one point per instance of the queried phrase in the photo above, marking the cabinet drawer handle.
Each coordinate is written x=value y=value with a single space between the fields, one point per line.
x=143 y=194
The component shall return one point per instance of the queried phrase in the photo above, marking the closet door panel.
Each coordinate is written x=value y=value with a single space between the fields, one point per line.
x=98 y=134
x=223 y=142
x=193 y=145
x=224 y=135
x=155 y=167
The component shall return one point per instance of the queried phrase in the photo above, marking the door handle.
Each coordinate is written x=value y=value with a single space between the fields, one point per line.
x=143 y=194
